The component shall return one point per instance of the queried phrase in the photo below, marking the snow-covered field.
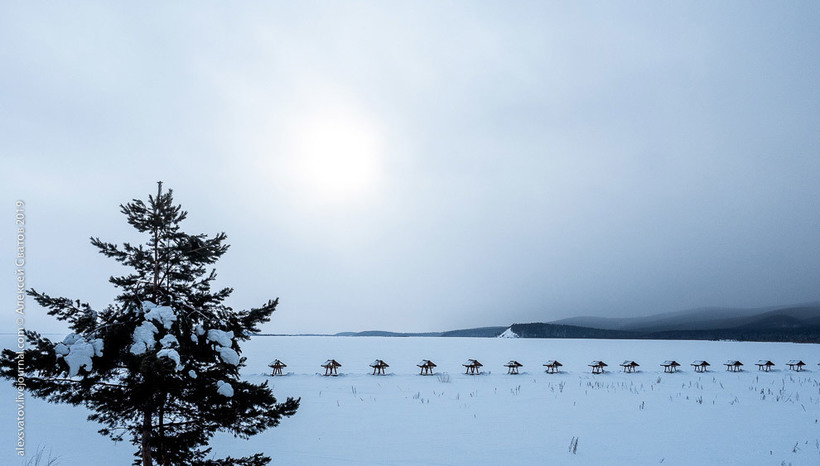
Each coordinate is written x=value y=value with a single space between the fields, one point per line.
x=648 y=417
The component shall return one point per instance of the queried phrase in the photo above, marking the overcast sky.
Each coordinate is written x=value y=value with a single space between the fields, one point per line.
x=421 y=166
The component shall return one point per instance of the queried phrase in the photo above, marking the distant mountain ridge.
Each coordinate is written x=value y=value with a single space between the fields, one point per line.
x=806 y=314
x=794 y=323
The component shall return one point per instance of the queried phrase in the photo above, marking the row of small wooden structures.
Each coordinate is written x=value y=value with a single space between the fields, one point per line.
x=473 y=367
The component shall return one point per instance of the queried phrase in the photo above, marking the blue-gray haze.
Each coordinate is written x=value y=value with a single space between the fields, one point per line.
x=427 y=165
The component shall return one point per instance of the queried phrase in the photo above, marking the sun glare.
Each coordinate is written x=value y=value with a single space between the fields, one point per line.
x=336 y=158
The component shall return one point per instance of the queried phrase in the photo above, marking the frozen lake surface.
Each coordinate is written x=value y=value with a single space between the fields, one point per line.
x=648 y=417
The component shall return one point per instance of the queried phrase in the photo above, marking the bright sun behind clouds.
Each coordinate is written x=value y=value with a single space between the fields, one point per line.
x=335 y=157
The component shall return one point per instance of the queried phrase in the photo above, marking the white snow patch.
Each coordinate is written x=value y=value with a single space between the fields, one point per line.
x=170 y=354
x=144 y=338
x=200 y=330
x=508 y=334
x=61 y=349
x=79 y=356
x=146 y=305
x=192 y=374
x=229 y=356
x=162 y=314
x=220 y=337
x=97 y=343
x=224 y=389
x=71 y=338
x=169 y=341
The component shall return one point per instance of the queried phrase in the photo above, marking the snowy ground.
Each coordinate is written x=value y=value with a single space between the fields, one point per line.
x=402 y=418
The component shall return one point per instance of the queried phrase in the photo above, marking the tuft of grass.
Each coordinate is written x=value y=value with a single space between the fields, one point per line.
x=573 y=445
x=39 y=458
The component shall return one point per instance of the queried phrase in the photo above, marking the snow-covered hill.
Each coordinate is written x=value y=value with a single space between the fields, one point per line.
x=508 y=334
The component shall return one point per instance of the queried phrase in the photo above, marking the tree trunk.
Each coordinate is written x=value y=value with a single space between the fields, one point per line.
x=163 y=455
x=148 y=413
x=156 y=249
x=146 y=438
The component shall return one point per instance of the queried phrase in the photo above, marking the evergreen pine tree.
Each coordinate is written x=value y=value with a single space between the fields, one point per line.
x=161 y=365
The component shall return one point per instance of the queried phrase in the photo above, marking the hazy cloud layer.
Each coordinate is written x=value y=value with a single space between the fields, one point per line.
x=426 y=166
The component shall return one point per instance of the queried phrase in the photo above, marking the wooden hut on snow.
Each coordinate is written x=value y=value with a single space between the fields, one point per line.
x=330 y=367
x=764 y=365
x=629 y=366
x=700 y=366
x=512 y=367
x=796 y=365
x=670 y=366
x=552 y=366
x=379 y=366
x=473 y=367
x=597 y=367
x=277 y=367
x=426 y=366
x=733 y=366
